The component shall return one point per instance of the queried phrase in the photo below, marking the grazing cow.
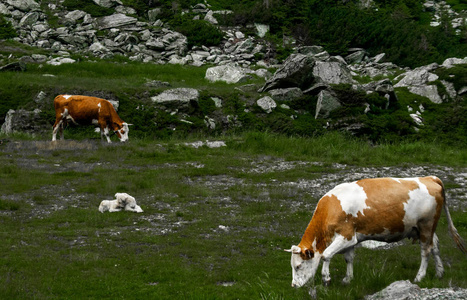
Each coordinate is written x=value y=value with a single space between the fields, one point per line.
x=85 y=110
x=123 y=202
x=382 y=209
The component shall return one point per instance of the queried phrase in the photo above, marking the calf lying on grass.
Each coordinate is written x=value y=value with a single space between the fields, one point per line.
x=382 y=209
x=123 y=202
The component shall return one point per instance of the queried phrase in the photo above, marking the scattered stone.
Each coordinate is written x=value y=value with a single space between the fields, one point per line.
x=267 y=104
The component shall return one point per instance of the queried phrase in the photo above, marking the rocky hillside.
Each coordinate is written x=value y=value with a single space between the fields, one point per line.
x=310 y=92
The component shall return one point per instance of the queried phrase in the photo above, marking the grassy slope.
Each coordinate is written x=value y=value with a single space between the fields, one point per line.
x=176 y=249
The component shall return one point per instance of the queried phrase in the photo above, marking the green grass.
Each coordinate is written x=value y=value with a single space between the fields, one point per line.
x=211 y=228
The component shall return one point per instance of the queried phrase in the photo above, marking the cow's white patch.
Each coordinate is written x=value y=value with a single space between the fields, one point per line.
x=420 y=203
x=66 y=96
x=352 y=197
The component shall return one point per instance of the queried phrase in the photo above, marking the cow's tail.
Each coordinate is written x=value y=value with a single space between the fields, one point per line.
x=460 y=243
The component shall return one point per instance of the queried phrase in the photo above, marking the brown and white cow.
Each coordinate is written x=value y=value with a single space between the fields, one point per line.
x=382 y=209
x=86 y=110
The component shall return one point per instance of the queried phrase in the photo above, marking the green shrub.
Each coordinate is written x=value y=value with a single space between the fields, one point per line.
x=6 y=30
x=88 y=6
x=198 y=32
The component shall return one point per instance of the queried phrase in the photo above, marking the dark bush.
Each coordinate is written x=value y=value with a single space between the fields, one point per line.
x=198 y=32
x=6 y=30
x=88 y=6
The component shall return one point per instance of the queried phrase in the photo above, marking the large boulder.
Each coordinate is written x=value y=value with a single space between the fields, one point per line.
x=178 y=99
x=450 y=62
x=297 y=71
x=399 y=290
x=267 y=104
x=115 y=20
x=29 y=19
x=24 y=5
x=227 y=73
x=327 y=102
x=286 y=94
x=332 y=72
x=24 y=121
x=419 y=76
x=429 y=91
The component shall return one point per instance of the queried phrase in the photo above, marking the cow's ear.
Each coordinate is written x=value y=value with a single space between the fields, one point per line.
x=294 y=250
x=308 y=254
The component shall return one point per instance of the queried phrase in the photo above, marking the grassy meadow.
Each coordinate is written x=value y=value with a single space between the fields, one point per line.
x=215 y=221
x=214 y=225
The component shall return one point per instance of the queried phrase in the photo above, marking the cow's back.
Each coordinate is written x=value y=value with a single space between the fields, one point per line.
x=381 y=207
x=83 y=109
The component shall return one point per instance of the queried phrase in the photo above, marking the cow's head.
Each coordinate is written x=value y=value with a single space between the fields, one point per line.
x=122 y=133
x=304 y=265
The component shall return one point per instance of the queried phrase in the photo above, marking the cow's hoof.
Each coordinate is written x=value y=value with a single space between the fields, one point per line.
x=326 y=282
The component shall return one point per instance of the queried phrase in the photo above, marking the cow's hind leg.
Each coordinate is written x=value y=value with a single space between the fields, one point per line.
x=427 y=248
x=438 y=262
x=349 y=255
x=58 y=127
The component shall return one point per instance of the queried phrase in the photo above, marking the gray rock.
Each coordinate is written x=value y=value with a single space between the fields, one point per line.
x=261 y=29
x=419 y=76
x=98 y=48
x=23 y=5
x=29 y=19
x=60 y=60
x=75 y=15
x=267 y=104
x=449 y=88
x=15 y=66
x=310 y=50
x=332 y=72
x=399 y=290
x=429 y=91
x=297 y=71
x=24 y=121
x=107 y=3
x=378 y=58
x=210 y=18
x=404 y=290
x=356 y=57
x=4 y=10
x=450 y=62
x=327 y=102
x=287 y=94
x=115 y=20
x=179 y=97
x=227 y=73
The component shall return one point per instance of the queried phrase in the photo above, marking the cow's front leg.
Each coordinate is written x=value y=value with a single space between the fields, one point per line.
x=339 y=244
x=105 y=132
